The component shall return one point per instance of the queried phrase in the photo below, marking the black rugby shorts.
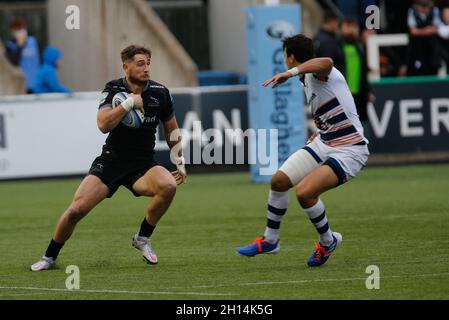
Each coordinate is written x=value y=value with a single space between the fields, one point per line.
x=115 y=171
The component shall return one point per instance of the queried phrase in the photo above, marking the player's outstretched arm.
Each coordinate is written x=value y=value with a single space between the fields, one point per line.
x=318 y=66
x=278 y=79
x=173 y=138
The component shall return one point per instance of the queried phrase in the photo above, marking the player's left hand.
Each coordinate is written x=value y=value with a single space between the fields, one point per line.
x=180 y=174
x=277 y=80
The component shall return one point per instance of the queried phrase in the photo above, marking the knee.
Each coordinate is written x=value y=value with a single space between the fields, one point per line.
x=305 y=195
x=77 y=211
x=280 y=182
x=167 y=189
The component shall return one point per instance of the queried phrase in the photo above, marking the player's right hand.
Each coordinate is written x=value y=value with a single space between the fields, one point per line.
x=277 y=80
x=180 y=174
x=138 y=102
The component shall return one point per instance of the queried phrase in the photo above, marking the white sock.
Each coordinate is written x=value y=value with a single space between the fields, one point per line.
x=277 y=207
x=317 y=215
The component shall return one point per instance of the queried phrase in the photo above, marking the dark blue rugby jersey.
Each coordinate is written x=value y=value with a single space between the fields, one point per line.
x=158 y=106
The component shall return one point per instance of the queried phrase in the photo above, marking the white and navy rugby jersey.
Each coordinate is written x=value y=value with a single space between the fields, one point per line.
x=333 y=109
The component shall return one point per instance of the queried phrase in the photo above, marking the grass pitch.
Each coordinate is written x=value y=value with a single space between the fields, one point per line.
x=396 y=218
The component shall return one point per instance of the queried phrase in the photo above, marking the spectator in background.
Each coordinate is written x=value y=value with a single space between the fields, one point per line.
x=356 y=66
x=47 y=78
x=22 y=50
x=443 y=32
x=423 y=50
x=396 y=16
x=328 y=42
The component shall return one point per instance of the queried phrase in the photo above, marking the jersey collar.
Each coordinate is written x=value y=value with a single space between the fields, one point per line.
x=125 y=84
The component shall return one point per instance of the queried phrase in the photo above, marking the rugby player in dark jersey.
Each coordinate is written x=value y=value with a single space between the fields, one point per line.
x=127 y=156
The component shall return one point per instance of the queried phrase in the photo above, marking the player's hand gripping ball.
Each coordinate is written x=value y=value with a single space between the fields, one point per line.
x=134 y=118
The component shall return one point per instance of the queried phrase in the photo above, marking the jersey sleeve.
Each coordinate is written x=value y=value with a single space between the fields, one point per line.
x=106 y=98
x=168 y=111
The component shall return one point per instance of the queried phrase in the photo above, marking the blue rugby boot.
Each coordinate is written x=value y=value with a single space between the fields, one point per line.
x=259 y=246
x=322 y=253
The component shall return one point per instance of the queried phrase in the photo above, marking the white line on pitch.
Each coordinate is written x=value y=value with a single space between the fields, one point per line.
x=123 y=291
x=25 y=294
x=316 y=280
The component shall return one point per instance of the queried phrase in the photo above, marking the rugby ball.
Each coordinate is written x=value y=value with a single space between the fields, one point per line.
x=132 y=119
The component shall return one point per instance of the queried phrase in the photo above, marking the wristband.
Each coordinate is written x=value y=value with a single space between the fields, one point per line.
x=293 y=71
x=128 y=104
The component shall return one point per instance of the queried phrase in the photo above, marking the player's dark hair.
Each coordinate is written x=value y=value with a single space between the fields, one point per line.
x=351 y=21
x=330 y=16
x=129 y=52
x=300 y=46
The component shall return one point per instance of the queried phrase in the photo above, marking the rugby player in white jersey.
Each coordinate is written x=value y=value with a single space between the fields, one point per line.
x=336 y=153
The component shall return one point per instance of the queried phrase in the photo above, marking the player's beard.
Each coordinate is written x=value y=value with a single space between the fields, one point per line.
x=138 y=81
x=352 y=39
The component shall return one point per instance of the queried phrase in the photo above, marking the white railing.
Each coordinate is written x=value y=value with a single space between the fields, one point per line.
x=374 y=43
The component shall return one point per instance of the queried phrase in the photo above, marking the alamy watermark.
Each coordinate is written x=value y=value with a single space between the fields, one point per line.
x=73 y=280
x=73 y=21
x=372 y=22
x=373 y=280
x=211 y=146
